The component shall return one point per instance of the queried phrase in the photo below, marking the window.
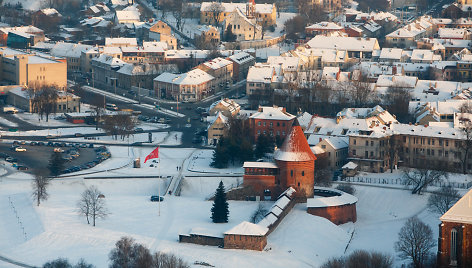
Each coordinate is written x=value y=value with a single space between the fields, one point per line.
x=303 y=173
x=447 y=143
x=271 y=124
x=372 y=143
x=264 y=123
x=283 y=124
x=278 y=124
x=291 y=173
x=354 y=141
x=259 y=123
x=366 y=143
x=453 y=246
x=353 y=152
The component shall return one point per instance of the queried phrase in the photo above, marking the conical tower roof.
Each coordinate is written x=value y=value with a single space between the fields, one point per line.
x=295 y=146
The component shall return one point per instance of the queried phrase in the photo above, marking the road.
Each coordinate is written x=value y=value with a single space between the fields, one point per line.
x=177 y=123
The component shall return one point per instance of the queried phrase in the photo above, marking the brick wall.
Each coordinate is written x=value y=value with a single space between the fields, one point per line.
x=464 y=244
x=259 y=182
x=302 y=179
x=201 y=240
x=245 y=242
x=336 y=214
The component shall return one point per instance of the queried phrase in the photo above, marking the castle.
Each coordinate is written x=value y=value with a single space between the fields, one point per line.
x=294 y=167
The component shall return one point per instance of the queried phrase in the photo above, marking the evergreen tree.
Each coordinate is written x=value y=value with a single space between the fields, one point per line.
x=220 y=155
x=229 y=36
x=264 y=144
x=56 y=164
x=220 y=211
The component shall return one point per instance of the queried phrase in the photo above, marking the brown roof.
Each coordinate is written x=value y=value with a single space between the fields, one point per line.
x=295 y=146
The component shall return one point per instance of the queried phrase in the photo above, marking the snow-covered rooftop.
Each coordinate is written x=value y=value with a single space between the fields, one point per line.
x=343 y=43
x=259 y=165
x=461 y=212
x=272 y=113
x=247 y=228
x=338 y=200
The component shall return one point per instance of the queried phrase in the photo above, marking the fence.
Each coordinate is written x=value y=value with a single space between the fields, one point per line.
x=402 y=181
x=18 y=219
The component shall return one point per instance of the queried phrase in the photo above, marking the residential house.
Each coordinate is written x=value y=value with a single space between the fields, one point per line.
x=242 y=61
x=226 y=107
x=222 y=71
x=273 y=121
x=217 y=128
x=191 y=86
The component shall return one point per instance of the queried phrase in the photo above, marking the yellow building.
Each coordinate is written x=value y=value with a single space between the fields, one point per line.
x=160 y=27
x=217 y=128
x=265 y=14
x=20 y=68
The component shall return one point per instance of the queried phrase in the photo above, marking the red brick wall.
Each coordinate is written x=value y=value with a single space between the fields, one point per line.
x=464 y=249
x=284 y=127
x=245 y=242
x=336 y=214
x=302 y=183
x=259 y=182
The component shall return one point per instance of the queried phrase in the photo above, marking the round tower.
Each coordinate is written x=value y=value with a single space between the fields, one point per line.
x=296 y=162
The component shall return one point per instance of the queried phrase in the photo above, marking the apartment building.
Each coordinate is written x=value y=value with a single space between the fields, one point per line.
x=221 y=69
x=20 y=68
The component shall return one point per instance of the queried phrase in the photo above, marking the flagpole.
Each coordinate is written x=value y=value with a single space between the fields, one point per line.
x=159 y=184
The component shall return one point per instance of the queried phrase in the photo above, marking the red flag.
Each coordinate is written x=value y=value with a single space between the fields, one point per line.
x=153 y=154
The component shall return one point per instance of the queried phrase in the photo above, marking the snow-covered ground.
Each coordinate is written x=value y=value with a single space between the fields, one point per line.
x=54 y=229
x=158 y=138
x=72 y=130
x=34 y=120
x=200 y=162
x=7 y=123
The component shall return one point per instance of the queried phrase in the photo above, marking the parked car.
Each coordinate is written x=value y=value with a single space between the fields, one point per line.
x=22 y=168
x=58 y=150
x=138 y=129
x=161 y=120
x=156 y=198
x=40 y=143
x=78 y=134
x=33 y=143
x=20 y=149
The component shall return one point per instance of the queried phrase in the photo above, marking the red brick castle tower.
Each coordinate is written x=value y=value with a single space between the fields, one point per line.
x=296 y=162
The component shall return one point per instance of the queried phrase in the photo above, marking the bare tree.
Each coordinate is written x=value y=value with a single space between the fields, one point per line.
x=361 y=258
x=43 y=100
x=397 y=100
x=361 y=91
x=442 y=200
x=98 y=110
x=347 y=188
x=419 y=179
x=259 y=213
x=92 y=204
x=323 y=174
x=415 y=240
x=128 y=254
x=119 y=124
x=40 y=184
x=215 y=11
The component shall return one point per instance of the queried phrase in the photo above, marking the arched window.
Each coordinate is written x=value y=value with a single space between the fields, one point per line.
x=303 y=173
x=454 y=246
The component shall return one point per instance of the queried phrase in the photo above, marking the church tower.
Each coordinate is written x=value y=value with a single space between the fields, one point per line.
x=251 y=9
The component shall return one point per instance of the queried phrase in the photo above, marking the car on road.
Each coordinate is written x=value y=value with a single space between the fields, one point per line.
x=33 y=143
x=195 y=118
x=156 y=198
x=138 y=129
x=50 y=137
x=10 y=159
x=78 y=134
x=197 y=139
x=161 y=120
x=112 y=107
x=20 y=149
x=58 y=150
x=22 y=168
x=40 y=143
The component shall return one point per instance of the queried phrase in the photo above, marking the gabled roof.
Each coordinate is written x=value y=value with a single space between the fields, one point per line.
x=295 y=146
x=272 y=113
x=461 y=212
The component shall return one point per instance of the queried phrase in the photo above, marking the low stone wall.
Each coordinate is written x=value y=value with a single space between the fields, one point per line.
x=201 y=240
x=336 y=214
x=254 y=43
x=282 y=215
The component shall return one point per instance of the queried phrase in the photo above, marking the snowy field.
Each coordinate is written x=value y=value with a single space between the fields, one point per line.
x=72 y=130
x=54 y=229
x=200 y=162
x=158 y=138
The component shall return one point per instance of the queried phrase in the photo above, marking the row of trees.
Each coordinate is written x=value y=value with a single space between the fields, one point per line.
x=128 y=254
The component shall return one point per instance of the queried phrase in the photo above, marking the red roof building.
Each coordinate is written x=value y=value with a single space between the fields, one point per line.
x=272 y=121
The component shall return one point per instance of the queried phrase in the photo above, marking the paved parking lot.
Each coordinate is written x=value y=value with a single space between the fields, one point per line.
x=37 y=157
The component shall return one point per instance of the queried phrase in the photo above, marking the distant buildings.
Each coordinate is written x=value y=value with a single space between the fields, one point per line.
x=24 y=69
